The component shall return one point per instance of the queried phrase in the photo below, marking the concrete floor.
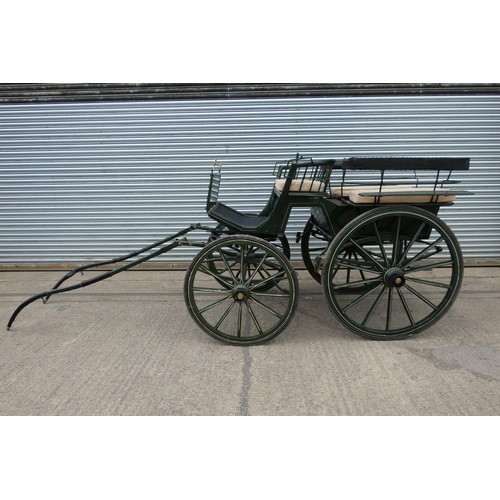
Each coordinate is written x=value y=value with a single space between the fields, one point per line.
x=127 y=346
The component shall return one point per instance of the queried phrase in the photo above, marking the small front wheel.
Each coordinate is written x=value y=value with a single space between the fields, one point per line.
x=241 y=290
x=406 y=275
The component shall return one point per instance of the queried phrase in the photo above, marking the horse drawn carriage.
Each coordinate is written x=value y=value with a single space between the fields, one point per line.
x=388 y=265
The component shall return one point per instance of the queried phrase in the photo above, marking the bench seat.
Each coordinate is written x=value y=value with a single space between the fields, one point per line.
x=305 y=185
x=399 y=194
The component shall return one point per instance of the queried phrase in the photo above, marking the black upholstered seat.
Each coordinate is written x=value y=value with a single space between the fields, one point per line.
x=232 y=217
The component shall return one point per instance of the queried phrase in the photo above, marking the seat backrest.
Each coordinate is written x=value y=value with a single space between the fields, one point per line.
x=213 y=189
x=304 y=176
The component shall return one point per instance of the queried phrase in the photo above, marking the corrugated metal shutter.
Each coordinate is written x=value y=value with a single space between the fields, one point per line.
x=85 y=181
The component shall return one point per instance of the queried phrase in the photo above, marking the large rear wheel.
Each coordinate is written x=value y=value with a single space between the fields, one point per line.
x=409 y=267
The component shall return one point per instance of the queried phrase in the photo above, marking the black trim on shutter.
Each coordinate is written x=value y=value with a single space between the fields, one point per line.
x=102 y=92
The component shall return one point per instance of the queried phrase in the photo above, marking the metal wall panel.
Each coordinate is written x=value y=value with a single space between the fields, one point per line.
x=85 y=181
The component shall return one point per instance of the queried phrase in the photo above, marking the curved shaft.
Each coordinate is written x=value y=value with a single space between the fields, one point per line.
x=115 y=260
x=45 y=295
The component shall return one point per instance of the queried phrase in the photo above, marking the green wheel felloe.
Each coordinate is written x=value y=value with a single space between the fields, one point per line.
x=241 y=290
x=409 y=270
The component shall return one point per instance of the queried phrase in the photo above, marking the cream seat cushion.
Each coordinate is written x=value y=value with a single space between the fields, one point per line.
x=301 y=185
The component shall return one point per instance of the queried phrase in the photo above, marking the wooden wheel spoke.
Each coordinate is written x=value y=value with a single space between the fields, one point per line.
x=354 y=284
x=228 y=267
x=355 y=266
x=389 y=310
x=411 y=243
x=360 y=272
x=242 y=263
x=395 y=246
x=225 y=315
x=366 y=254
x=423 y=254
x=222 y=281
x=254 y=319
x=377 y=301
x=420 y=296
x=203 y=289
x=257 y=269
x=348 y=278
x=267 y=308
x=359 y=299
x=275 y=277
x=405 y=306
x=429 y=282
x=376 y=256
x=238 y=325
x=434 y=265
x=214 y=304
x=380 y=244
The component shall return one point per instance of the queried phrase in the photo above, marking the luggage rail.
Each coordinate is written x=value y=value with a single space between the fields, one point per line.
x=430 y=182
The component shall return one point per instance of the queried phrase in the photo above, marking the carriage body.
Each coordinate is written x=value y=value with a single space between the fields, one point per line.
x=388 y=265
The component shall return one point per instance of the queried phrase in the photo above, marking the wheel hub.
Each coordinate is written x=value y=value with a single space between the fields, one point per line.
x=394 y=277
x=241 y=293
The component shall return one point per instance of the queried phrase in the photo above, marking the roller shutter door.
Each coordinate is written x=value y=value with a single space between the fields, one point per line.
x=87 y=181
